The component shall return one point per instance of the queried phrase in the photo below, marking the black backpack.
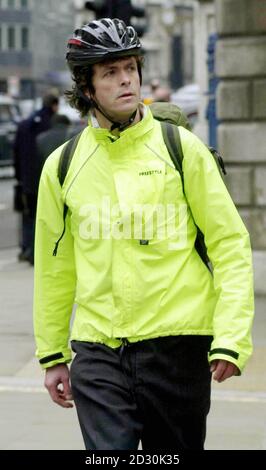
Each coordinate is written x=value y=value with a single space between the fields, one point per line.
x=170 y=117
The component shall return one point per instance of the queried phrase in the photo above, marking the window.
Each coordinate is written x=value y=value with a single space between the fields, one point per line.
x=11 y=4
x=3 y=86
x=5 y=114
x=25 y=38
x=24 y=3
x=11 y=37
x=1 y=44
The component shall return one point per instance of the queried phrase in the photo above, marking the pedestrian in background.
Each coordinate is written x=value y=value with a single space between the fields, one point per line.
x=152 y=322
x=158 y=93
x=162 y=94
x=49 y=140
x=25 y=161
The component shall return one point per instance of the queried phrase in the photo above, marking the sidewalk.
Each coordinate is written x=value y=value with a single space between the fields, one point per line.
x=30 y=420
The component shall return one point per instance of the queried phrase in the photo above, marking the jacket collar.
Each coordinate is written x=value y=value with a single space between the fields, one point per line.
x=131 y=133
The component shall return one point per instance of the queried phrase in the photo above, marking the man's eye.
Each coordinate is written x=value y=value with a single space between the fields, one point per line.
x=108 y=73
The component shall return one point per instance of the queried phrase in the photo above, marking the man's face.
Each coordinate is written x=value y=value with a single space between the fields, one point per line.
x=117 y=87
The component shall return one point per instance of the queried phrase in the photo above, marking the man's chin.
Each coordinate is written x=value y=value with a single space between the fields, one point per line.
x=125 y=112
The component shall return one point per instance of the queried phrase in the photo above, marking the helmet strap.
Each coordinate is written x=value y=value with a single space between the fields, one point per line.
x=115 y=124
x=122 y=125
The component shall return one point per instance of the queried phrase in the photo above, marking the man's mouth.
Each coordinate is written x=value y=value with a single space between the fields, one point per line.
x=126 y=95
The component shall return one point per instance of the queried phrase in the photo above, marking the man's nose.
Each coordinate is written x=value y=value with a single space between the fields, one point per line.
x=124 y=78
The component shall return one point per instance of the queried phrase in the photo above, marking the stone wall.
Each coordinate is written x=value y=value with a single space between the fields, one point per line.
x=204 y=25
x=241 y=104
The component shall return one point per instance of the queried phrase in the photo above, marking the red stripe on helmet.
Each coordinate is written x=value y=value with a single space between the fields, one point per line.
x=77 y=42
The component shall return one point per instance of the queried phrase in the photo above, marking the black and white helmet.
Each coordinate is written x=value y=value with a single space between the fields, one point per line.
x=100 y=40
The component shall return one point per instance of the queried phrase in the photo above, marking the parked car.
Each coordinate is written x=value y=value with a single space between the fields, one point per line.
x=188 y=99
x=9 y=119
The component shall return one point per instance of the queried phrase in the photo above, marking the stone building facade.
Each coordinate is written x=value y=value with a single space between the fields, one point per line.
x=33 y=35
x=204 y=25
x=241 y=104
x=168 y=40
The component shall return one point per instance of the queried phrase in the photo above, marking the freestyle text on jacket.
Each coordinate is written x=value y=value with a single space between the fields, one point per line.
x=127 y=288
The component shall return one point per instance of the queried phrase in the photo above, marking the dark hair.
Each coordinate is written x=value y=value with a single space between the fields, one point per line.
x=82 y=77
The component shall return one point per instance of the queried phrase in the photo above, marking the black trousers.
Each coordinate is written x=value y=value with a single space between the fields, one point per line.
x=156 y=391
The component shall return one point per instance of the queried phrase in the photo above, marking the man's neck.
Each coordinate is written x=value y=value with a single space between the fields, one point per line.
x=106 y=124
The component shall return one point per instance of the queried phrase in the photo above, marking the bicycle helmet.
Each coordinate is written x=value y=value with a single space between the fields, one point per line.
x=100 y=40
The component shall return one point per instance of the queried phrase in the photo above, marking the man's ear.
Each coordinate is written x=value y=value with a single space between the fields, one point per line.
x=89 y=94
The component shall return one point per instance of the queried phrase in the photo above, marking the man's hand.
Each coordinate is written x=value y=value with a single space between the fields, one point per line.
x=58 y=386
x=222 y=370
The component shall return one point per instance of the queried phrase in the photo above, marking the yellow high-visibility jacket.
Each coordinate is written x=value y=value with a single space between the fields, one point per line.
x=127 y=258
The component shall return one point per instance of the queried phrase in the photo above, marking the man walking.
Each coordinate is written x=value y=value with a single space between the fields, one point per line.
x=25 y=158
x=152 y=323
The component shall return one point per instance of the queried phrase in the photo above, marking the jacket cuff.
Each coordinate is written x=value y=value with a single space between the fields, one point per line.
x=50 y=360
x=226 y=355
x=224 y=351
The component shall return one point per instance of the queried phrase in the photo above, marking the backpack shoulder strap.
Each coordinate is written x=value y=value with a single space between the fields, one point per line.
x=172 y=141
x=171 y=136
x=63 y=166
x=66 y=157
